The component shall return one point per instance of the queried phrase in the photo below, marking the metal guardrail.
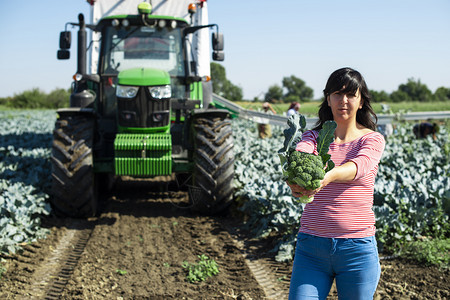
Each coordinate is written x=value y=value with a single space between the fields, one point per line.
x=255 y=116
x=278 y=120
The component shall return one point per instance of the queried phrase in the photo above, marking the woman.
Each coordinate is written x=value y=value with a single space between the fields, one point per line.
x=293 y=109
x=336 y=239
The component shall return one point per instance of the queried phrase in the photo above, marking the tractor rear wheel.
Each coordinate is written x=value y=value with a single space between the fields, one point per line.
x=73 y=179
x=212 y=190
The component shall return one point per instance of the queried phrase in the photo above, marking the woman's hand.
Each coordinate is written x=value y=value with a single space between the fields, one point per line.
x=299 y=191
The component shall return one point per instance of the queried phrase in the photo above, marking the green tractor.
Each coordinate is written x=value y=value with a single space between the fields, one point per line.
x=145 y=113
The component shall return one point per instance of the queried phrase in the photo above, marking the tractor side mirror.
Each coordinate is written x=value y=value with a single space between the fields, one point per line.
x=218 y=45
x=218 y=56
x=65 y=39
x=217 y=41
x=63 y=54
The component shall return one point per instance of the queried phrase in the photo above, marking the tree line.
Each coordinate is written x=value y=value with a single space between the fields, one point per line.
x=36 y=98
x=292 y=89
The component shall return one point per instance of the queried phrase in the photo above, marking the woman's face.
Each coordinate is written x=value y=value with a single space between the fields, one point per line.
x=344 y=105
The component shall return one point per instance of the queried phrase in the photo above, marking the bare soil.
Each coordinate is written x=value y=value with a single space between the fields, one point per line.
x=136 y=247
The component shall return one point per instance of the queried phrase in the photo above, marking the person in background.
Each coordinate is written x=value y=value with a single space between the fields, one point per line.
x=336 y=239
x=293 y=109
x=264 y=130
x=386 y=130
x=422 y=130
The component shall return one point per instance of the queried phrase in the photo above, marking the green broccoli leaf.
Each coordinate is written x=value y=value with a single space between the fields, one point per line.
x=302 y=122
x=325 y=157
x=325 y=138
x=330 y=165
x=292 y=136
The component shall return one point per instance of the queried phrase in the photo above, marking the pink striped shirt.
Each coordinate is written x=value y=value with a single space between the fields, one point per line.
x=344 y=210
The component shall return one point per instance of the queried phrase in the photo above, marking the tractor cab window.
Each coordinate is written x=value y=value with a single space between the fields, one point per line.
x=143 y=47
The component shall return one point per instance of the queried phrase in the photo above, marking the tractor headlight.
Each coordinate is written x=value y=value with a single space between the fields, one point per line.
x=124 y=91
x=161 y=92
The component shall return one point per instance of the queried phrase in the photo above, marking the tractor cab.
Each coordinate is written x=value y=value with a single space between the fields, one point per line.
x=142 y=66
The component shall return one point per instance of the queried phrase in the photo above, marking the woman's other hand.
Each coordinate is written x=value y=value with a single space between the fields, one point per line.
x=299 y=191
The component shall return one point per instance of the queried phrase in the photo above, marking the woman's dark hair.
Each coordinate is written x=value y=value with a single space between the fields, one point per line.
x=347 y=80
x=293 y=104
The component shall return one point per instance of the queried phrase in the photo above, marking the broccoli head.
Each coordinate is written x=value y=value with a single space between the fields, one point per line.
x=305 y=169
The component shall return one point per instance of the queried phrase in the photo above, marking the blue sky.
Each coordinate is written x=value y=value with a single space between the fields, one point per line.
x=388 y=41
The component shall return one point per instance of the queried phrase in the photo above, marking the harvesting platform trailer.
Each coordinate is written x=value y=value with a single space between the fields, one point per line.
x=145 y=109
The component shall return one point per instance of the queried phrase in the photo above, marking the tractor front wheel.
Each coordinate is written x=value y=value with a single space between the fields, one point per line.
x=212 y=189
x=73 y=179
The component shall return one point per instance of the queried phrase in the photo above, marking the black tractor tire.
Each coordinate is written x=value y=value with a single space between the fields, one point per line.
x=212 y=181
x=74 y=192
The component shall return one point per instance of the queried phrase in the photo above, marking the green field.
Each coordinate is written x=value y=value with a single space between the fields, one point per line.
x=311 y=108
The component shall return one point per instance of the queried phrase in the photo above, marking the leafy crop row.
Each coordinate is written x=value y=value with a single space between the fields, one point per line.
x=411 y=190
x=25 y=141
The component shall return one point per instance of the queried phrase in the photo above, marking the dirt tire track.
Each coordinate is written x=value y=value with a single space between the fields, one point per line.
x=52 y=275
x=272 y=276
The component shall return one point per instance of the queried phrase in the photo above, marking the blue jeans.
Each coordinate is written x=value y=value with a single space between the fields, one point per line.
x=353 y=262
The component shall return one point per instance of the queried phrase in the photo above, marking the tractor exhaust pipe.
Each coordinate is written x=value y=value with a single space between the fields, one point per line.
x=81 y=96
x=81 y=46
